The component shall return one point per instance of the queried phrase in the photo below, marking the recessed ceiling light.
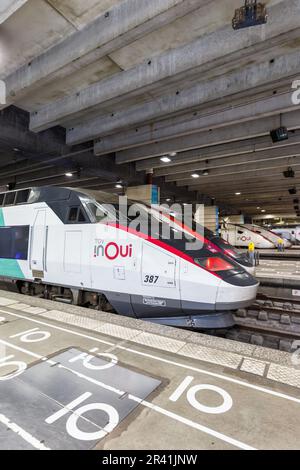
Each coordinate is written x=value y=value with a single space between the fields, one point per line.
x=195 y=175
x=69 y=174
x=119 y=186
x=258 y=208
x=173 y=154
x=165 y=159
x=168 y=200
x=16 y=149
x=263 y=210
x=205 y=173
x=238 y=194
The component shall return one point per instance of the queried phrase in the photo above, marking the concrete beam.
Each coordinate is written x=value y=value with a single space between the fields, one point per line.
x=9 y=7
x=37 y=175
x=243 y=171
x=246 y=146
x=273 y=155
x=239 y=81
x=245 y=178
x=123 y=24
x=258 y=197
x=14 y=133
x=249 y=190
x=283 y=27
x=242 y=131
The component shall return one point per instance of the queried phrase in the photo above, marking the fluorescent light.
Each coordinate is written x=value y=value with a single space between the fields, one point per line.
x=69 y=174
x=165 y=159
x=195 y=175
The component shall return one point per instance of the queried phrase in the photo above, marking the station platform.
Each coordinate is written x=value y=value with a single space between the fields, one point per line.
x=73 y=378
x=289 y=254
x=279 y=269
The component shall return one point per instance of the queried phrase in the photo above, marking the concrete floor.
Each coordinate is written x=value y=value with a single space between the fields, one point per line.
x=164 y=397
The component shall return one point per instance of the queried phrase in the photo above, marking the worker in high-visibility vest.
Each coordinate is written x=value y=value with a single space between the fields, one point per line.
x=280 y=245
x=251 y=252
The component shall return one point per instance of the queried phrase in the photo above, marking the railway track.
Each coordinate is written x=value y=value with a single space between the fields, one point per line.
x=270 y=322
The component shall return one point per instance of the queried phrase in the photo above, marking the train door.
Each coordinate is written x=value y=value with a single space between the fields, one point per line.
x=38 y=244
x=160 y=286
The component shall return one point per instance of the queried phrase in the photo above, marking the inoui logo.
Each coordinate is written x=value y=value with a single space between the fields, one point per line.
x=2 y=92
x=112 y=250
x=296 y=93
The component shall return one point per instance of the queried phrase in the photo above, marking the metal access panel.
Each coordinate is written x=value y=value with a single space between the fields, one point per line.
x=71 y=404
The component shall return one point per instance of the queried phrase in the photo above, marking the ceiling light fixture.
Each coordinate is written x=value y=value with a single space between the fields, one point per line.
x=119 y=186
x=195 y=175
x=165 y=159
x=173 y=154
x=69 y=174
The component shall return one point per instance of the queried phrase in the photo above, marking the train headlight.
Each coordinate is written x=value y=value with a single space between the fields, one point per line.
x=214 y=264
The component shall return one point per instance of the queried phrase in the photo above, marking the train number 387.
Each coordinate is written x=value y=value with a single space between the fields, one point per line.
x=150 y=279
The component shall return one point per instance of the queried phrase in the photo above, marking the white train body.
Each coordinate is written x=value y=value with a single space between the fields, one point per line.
x=242 y=235
x=269 y=235
x=50 y=244
x=292 y=234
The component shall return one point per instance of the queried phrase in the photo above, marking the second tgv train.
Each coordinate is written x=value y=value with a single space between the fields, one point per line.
x=241 y=235
x=56 y=243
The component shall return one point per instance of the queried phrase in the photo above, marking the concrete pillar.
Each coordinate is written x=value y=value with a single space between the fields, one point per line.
x=209 y=217
x=149 y=193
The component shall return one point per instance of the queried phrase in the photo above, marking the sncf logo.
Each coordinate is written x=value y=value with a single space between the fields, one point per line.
x=112 y=250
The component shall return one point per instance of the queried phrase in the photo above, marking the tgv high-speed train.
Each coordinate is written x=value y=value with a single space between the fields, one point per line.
x=60 y=243
x=242 y=235
x=292 y=234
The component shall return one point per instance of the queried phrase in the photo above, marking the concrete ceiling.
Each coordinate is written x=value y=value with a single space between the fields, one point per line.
x=105 y=88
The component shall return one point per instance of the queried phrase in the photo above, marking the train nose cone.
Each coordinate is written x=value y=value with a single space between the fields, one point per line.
x=239 y=295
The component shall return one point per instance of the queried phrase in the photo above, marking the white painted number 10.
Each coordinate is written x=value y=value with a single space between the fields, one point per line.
x=193 y=401
x=72 y=422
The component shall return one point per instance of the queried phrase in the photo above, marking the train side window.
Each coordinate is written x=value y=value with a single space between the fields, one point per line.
x=1 y=199
x=76 y=215
x=73 y=213
x=81 y=216
x=9 y=199
x=14 y=242
x=22 y=196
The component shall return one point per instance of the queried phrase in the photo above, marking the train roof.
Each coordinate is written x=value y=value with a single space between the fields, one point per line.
x=50 y=194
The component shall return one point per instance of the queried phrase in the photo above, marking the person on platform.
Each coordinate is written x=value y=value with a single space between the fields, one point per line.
x=251 y=252
x=280 y=245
